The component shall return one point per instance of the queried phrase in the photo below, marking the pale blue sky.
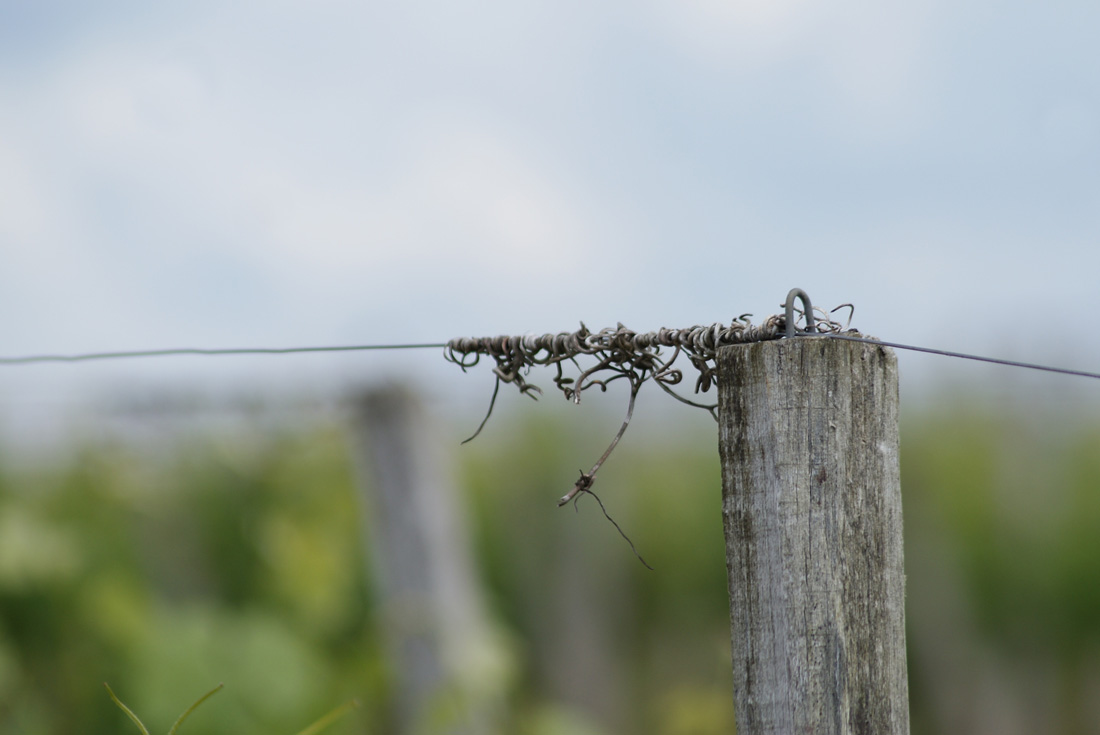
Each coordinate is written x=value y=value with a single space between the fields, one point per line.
x=278 y=173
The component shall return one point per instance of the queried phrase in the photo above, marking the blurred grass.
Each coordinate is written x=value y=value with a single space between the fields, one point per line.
x=242 y=560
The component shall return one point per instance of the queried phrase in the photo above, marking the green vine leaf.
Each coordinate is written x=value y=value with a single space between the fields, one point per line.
x=191 y=709
x=129 y=712
x=330 y=718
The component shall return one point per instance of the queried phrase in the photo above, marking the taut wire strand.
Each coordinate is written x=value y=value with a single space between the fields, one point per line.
x=963 y=355
x=198 y=351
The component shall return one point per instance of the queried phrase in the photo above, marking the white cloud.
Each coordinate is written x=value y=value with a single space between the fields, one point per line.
x=460 y=197
x=873 y=66
x=488 y=149
x=746 y=34
x=23 y=216
x=140 y=100
x=130 y=149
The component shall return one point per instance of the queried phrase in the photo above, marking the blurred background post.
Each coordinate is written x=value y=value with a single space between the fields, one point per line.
x=449 y=669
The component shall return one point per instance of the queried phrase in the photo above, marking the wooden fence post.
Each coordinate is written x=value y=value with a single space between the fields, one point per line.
x=450 y=668
x=812 y=509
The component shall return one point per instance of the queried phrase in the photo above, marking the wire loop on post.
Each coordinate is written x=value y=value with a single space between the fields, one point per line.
x=807 y=310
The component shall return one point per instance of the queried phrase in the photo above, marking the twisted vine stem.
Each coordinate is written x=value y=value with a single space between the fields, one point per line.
x=617 y=353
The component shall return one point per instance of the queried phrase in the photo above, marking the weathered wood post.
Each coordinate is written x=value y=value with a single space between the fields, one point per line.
x=812 y=508
x=449 y=667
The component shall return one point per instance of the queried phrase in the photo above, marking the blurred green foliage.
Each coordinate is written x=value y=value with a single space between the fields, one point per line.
x=165 y=574
x=1002 y=514
x=241 y=559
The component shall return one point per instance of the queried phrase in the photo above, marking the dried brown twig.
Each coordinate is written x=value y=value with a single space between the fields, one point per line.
x=619 y=353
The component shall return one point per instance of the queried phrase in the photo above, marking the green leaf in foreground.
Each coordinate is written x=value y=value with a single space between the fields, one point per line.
x=330 y=718
x=179 y=721
x=313 y=729
x=191 y=709
x=127 y=710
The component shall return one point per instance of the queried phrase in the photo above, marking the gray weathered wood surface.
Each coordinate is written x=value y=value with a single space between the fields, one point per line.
x=439 y=637
x=812 y=509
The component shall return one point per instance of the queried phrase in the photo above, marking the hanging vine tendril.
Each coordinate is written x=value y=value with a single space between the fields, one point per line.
x=614 y=354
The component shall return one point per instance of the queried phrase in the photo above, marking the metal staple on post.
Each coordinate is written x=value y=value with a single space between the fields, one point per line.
x=807 y=310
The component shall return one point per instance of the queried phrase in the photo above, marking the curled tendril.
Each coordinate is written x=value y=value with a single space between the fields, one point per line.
x=618 y=353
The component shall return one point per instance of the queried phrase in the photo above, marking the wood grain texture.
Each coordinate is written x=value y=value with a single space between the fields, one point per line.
x=812 y=510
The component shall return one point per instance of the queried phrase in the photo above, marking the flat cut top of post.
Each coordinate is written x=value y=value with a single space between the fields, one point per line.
x=812 y=511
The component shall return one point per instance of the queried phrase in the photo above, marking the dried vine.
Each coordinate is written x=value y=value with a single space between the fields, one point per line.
x=617 y=353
